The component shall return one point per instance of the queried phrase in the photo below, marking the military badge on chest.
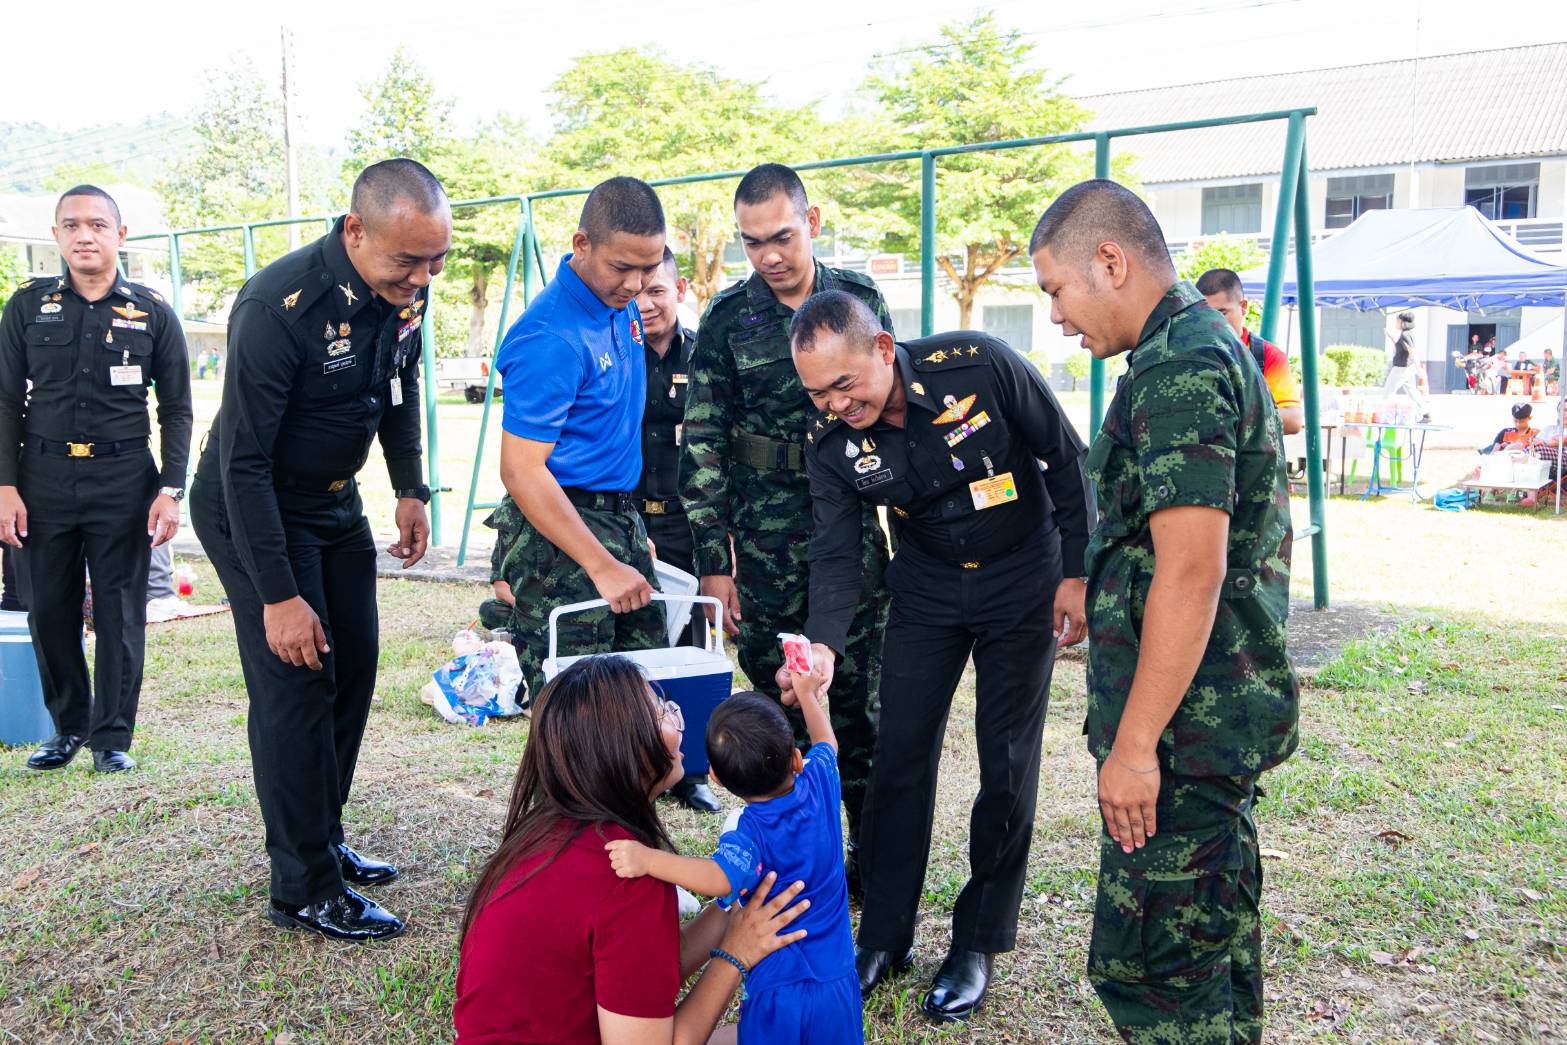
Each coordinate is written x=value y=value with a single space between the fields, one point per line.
x=865 y=460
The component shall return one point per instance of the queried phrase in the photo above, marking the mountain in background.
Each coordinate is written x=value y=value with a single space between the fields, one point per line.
x=37 y=158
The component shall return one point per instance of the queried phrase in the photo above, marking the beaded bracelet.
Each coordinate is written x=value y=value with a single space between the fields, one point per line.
x=745 y=973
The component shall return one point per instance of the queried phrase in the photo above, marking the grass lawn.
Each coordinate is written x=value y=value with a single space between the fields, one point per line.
x=1416 y=887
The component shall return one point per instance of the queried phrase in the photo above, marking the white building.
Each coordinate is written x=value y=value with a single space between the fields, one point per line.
x=25 y=221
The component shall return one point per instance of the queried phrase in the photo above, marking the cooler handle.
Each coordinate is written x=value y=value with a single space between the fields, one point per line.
x=715 y=632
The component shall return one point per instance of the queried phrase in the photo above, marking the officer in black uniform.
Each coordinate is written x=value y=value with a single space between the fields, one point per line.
x=77 y=479
x=323 y=357
x=667 y=346
x=983 y=474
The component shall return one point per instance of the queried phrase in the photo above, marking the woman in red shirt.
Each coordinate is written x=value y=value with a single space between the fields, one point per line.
x=556 y=948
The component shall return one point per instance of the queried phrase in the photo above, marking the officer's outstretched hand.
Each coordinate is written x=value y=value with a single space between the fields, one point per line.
x=792 y=687
x=13 y=517
x=163 y=519
x=294 y=633
x=413 y=531
x=1071 y=618
x=622 y=586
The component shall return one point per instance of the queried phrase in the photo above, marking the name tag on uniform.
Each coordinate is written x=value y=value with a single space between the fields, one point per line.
x=125 y=375
x=397 y=391
x=988 y=493
x=332 y=366
x=874 y=479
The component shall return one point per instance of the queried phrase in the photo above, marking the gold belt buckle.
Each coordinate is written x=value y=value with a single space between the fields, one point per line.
x=337 y=486
x=653 y=507
x=970 y=565
x=78 y=449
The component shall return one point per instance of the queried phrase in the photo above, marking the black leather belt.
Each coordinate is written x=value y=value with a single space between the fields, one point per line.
x=310 y=484
x=668 y=506
x=58 y=449
x=601 y=500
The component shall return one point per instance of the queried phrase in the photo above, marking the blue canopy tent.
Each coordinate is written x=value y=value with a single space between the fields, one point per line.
x=1449 y=257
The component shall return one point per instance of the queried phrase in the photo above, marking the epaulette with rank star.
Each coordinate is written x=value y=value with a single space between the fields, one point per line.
x=946 y=358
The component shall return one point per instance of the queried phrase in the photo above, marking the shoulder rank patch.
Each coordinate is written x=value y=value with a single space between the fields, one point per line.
x=938 y=356
x=28 y=283
x=293 y=299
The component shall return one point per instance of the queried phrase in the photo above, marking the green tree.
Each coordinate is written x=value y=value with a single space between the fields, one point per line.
x=637 y=112
x=403 y=116
x=13 y=269
x=1223 y=252
x=1077 y=366
x=976 y=83
x=234 y=173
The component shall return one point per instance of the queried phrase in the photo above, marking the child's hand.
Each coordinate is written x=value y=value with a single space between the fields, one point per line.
x=628 y=858
x=810 y=682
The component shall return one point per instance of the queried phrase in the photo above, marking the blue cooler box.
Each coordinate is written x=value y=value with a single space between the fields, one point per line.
x=698 y=680
x=23 y=718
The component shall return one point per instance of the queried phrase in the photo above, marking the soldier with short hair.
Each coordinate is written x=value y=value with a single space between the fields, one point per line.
x=742 y=472
x=1191 y=694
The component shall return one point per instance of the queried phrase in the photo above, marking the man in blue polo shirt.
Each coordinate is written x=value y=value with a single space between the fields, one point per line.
x=571 y=452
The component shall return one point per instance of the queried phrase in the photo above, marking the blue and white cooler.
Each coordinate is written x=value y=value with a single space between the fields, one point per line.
x=23 y=718
x=696 y=678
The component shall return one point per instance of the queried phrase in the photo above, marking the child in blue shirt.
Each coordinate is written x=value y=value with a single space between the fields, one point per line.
x=808 y=992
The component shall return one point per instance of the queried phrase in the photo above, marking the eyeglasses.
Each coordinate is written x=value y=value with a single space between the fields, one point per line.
x=668 y=710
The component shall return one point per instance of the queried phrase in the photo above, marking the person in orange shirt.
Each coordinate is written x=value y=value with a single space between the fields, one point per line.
x=1223 y=290
x=1519 y=437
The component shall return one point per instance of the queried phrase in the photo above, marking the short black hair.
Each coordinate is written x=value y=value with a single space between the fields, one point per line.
x=1220 y=281
x=670 y=262
x=837 y=311
x=1091 y=212
x=764 y=181
x=89 y=190
x=1406 y=320
x=750 y=745
x=381 y=185
x=621 y=204
x=1521 y=411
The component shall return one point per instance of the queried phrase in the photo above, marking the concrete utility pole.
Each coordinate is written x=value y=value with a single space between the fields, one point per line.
x=291 y=168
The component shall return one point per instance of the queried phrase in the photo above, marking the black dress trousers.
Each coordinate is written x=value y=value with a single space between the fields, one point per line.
x=1000 y=611
x=305 y=726
x=92 y=512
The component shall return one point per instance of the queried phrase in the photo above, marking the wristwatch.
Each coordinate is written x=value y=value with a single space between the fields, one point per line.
x=174 y=493
x=420 y=492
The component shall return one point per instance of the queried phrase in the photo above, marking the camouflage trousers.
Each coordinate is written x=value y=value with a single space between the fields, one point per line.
x=1176 y=955
x=773 y=581
x=543 y=577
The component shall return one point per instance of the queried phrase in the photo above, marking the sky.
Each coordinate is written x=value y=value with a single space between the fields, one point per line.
x=501 y=59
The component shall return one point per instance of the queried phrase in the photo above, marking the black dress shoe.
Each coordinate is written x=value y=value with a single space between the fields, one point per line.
x=959 y=986
x=56 y=752
x=346 y=916
x=112 y=762
x=359 y=870
x=875 y=966
x=694 y=793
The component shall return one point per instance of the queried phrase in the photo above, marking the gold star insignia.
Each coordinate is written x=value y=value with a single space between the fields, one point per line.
x=832 y=417
x=348 y=292
x=938 y=356
x=973 y=350
x=818 y=422
x=810 y=437
x=293 y=299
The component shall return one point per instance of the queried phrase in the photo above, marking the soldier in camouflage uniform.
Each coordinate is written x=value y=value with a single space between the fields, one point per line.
x=1191 y=694
x=742 y=472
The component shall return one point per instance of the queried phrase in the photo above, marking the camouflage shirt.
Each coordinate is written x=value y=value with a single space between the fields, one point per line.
x=1190 y=425
x=743 y=379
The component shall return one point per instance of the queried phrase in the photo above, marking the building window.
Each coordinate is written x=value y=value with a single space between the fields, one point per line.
x=1013 y=324
x=1232 y=208
x=1349 y=198
x=1507 y=192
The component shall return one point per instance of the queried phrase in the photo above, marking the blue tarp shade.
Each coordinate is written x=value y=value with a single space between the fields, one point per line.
x=1451 y=257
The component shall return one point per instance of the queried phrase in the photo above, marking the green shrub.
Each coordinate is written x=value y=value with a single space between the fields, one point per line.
x=1354 y=365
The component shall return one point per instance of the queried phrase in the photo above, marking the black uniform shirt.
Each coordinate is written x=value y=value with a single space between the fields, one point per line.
x=667 y=381
x=313 y=357
x=981 y=428
x=90 y=363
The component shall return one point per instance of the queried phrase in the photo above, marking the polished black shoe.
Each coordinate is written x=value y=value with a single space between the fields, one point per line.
x=346 y=916
x=693 y=792
x=56 y=752
x=112 y=762
x=959 y=986
x=360 y=870
x=875 y=966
